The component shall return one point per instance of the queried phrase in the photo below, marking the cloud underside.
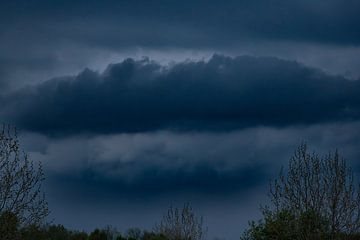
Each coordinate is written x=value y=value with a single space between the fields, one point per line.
x=121 y=166
x=217 y=95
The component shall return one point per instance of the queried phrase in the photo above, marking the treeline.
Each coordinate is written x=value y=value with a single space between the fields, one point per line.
x=177 y=223
x=59 y=232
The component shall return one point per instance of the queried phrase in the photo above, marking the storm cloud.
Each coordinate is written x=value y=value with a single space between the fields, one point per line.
x=41 y=39
x=220 y=94
x=117 y=166
x=135 y=105
x=163 y=23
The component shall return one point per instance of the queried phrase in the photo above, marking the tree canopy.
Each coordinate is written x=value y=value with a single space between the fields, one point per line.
x=316 y=198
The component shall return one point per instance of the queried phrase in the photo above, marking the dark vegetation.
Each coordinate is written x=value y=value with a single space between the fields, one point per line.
x=59 y=232
x=316 y=197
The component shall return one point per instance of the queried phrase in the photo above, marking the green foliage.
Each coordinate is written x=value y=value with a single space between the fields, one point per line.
x=98 y=234
x=11 y=230
x=33 y=232
x=58 y=232
x=79 y=236
x=51 y=232
x=9 y=224
x=153 y=236
x=284 y=225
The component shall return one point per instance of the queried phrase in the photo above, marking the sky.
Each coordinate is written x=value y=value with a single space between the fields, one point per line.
x=133 y=106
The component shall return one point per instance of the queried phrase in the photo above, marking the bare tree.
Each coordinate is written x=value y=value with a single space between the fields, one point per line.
x=181 y=224
x=20 y=182
x=321 y=185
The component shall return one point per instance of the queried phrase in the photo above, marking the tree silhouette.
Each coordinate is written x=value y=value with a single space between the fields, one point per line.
x=317 y=196
x=181 y=224
x=20 y=182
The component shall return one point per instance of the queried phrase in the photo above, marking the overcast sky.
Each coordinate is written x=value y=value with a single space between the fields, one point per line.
x=136 y=105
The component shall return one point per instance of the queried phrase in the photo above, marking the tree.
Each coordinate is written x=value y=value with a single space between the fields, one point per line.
x=58 y=232
x=32 y=232
x=181 y=224
x=20 y=182
x=134 y=234
x=152 y=236
x=98 y=234
x=284 y=225
x=79 y=236
x=51 y=232
x=318 y=194
x=9 y=225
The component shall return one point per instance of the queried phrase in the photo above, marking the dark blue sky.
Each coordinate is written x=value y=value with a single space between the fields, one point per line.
x=136 y=105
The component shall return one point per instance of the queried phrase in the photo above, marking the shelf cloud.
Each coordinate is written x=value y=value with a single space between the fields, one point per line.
x=220 y=94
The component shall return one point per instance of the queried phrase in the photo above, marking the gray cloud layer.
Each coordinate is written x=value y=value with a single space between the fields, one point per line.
x=333 y=21
x=220 y=94
x=42 y=39
x=147 y=164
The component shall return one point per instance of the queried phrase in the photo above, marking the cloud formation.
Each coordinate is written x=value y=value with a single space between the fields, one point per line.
x=121 y=166
x=141 y=134
x=125 y=165
x=217 y=95
x=40 y=40
x=211 y=23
